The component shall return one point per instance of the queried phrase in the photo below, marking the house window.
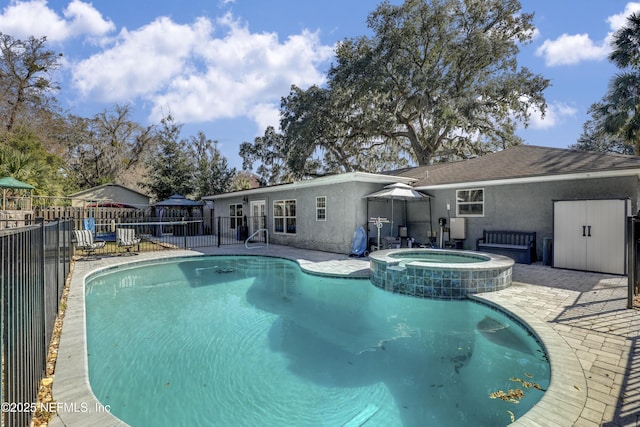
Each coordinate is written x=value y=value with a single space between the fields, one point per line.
x=470 y=202
x=235 y=215
x=284 y=216
x=321 y=208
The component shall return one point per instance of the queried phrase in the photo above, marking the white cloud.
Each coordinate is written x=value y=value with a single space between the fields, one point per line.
x=199 y=77
x=535 y=34
x=618 y=21
x=140 y=62
x=555 y=114
x=265 y=115
x=85 y=19
x=572 y=49
x=22 y=19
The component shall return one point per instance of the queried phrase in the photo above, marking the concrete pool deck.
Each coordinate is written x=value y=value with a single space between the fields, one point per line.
x=581 y=317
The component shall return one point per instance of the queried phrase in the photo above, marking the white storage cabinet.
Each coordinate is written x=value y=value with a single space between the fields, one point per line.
x=590 y=235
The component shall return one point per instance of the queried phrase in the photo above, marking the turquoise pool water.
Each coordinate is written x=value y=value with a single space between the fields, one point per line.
x=435 y=256
x=253 y=341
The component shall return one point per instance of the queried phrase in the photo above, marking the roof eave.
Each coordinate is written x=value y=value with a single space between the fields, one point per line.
x=316 y=182
x=534 y=179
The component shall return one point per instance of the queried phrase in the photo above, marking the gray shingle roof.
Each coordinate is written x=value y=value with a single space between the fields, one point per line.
x=519 y=162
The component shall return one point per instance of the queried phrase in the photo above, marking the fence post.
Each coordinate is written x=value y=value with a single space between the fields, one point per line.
x=185 y=231
x=4 y=281
x=631 y=260
x=57 y=260
x=218 y=231
x=264 y=225
x=45 y=314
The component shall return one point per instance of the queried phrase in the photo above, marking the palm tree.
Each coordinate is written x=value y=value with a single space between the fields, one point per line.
x=620 y=108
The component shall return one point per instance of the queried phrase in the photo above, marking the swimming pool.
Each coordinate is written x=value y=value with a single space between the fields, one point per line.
x=254 y=341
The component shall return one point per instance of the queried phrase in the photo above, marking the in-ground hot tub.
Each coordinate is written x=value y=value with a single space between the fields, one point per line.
x=437 y=273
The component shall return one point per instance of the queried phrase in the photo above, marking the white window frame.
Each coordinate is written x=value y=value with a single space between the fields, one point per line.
x=460 y=203
x=282 y=212
x=321 y=210
x=237 y=215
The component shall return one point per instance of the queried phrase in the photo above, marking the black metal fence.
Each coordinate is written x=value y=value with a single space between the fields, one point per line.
x=158 y=234
x=232 y=230
x=633 y=259
x=34 y=263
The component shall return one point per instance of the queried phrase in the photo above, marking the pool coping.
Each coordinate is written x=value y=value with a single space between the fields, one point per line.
x=566 y=396
x=492 y=262
x=71 y=387
x=561 y=405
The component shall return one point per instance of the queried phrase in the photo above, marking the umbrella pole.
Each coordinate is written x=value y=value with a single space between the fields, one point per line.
x=391 y=230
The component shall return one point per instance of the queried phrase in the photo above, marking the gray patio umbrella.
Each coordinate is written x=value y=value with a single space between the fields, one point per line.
x=397 y=191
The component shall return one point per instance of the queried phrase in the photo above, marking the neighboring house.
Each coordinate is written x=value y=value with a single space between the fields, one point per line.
x=110 y=195
x=513 y=189
x=321 y=213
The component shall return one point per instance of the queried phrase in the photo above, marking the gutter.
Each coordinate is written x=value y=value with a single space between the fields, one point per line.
x=316 y=182
x=535 y=179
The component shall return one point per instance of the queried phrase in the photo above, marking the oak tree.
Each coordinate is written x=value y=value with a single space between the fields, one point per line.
x=26 y=84
x=438 y=79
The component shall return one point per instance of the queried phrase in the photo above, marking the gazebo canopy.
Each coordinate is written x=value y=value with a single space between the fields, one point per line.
x=178 y=200
x=9 y=182
x=20 y=202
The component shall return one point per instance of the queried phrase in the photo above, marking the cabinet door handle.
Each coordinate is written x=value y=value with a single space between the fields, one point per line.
x=589 y=231
x=584 y=231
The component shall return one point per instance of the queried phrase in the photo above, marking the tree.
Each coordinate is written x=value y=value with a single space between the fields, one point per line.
x=319 y=139
x=25 y=77
x=109 y=147
x=212 y=173
x=23 y=157
x=437 y=78
x=595 y=137
x=170 y=170
x=243 y=181
x=619 y=110
x=271 y=154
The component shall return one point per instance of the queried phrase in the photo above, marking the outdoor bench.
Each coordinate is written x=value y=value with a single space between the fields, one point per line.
x=519 y=245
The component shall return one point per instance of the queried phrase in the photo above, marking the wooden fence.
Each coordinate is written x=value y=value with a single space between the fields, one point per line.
x=102 y=215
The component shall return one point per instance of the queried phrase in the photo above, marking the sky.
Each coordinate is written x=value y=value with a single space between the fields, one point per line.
x=222 y=66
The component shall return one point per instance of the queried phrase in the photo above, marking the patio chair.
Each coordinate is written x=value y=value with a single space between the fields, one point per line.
x=126 y=238
x=85 y=242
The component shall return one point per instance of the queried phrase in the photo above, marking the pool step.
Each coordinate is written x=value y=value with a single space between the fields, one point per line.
x=363 y=416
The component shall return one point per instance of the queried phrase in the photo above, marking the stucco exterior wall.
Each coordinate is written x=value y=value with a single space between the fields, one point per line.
x=529 y=207
x=521 y=207
x=345 y=210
